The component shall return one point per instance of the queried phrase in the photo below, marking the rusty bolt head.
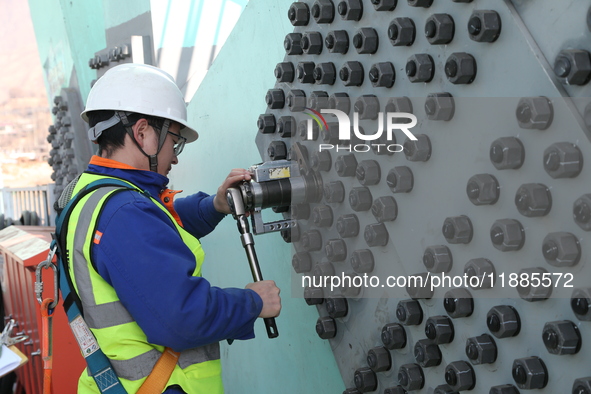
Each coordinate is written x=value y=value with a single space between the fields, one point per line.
x=393 y=336
x=481 y=349
x=482 y=269
x=460 y=376
x=346 y=165
x=457 y=229
x=323 y=11
x=484 y=26
x=458 y=302
x=561 y=249
x=384 y=209
x=375 y=234
x=365 y=40
x=507 y=235
x=334 y=192
x=582 y=211
x=368 y=172
x=336 y=306
x=311 y=43
x=301 y=262
x=379 y=359
x=292 y=45
x=483 y=189
x=439 y=29
x=399 y=104
x=367 y=106
x=277 y=150
x=410 y=377
x=360 y=199
x=299 y=14
x=266 y=123
x=504 y=389
x=533 y=199
x=313 y=295
x=275 y=98
x=348 y=225
x=362 y=261
x=296 y=100
x=350 y=10
x=561 y=337
x=507 y=153
x=340 y=101
x=532 y=293
x=427 y=353
x=336 y=250
x=503 y=321
x=351 y=74
x=563 y=160
x=400 y=179
x=581 y=303
x=419 y=150
x=582 y=385
x=420 y=68
x=439 y=329
x=402 y=32
x=305 y=72
x=337 y=41
x=322 y=216
x=460 y=68
x=382 y=75
x=409 y=312
x=420 y=3
x=530 y=373
x=440 y=106
x=437 y=258
x=573 y=66
x=311 y=240
x=325 y=74
x=326 y=327
x=534 y=113
x=284 y=72
x=365 y=380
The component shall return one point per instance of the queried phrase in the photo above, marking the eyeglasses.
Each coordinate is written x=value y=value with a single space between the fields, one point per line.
x=180 y=143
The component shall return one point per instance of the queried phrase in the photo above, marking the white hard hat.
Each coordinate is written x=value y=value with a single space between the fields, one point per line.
x=141 y=89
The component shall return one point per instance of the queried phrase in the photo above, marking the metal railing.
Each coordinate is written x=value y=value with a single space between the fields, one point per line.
x=38 y=199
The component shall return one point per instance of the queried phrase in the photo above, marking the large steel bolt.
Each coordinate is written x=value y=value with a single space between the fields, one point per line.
x=350 y=10
x=277 y=150
x=460 y=376
x=350 y=287
x=301 y=262
x=393 y=336
x=399 y=104
x=296 y=102
x=365 y=380
x=409 y=312
x=323 y=11
x=330 y=135
x=384 y=5
x=573 y=66
x=321 y=161
x=483 y=189
x=420 y=287
x=582 y=385
x=420 y=67
x=439 y=29
x=337 y=41
x=334 y=192
x=299 y=14
x=563 y=160
x=534 y=113
x=440 y=106
x=368 y=172
x=384 y=209
x=322 y=216
x=305 y=72
x=400 y=179
x=427 y=353
x=375 y=234
x=437 y=259
x=481 y=349
x=444 y=389
x=362 y=261
x=382 y=75
x=503 y=321
x=504 y=389
x=367 y=106
x=323 y=269
x=402 y=32
x=340 y=101
x=507 y=235
x=410 y=377
x=360 y=199
x=346 y=165
x=311 y=43
x=352 y=74
x=561 y=337
x=303 y=131
x=348 y=225
x=457 y=229
x=379 y=359
x=582 y=212
x=336 y=307
x=482 y=269
x=458 y=302
x=336 y=250
x=275 y=99
x=533 y=199
x=286 y=126
x=326 y=327
x=318 y=99
x=325 y=74
x=419 y=150
x=439 y=329
x=285 y=71
x=365 y=40
x=300 y=211
x=484 y=26
x=420 y=3
x=292 y=45
x=266 y=123
x=530 y=373
x=561 y=249
x=313 y=295
x=460 y=68
x=311 y=240
x=507 y=153
x=530 y=292
x=580 y=303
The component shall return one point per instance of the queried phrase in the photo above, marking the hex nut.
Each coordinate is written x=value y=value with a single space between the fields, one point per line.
x=326 y=327
x=336 y=307
x=322 y=216
x=334 y=192
x=311 y=241
x=530 y=373
x=337 y=41
x=375 y=234
x=321 y=161
x=410 y=377
x=582 y=212
x=483 y=189
x=439 y=329
x=393 y=336
x=292 y=45
x=484 y=26
x=460 y=376
x=311 y=43
x=482 y=269
x=379 y=359
x=351 y=74
x=368 y=172
x=350 y=10
x=305 y=72
x=440 y=106
x=340 y=101
x=275 y=99
x=503 y=321
x=427 y=353
x=360 y=199
x=299 y=14
x=420 y=67
x=561 y=337
x=534 y=113
x=284 y=72
x=561 y=249
x=481 y=349
x=323 y=11
x=580 y=303
x=504 y=389
x=420 y=3
x=437 y=259
x=573 y=66
x=286 y=126
x=582 y=385
x=300 y=211
x=563 y=160
x=330 y=134
x=507 y=235
x=507 y=153
x=382 y=75
x=418 y=286
x=460 y=68
x=409 y=312
x=349 y=288
x=439 y=29
x=402 y=32
x=336 y=250
x=301 y=262
x=346 y=165
x=313 y=295
x=365 y=40
x=303 y=131
x=367 y=106
x=266 y=123
x=400 y=179
x=458 y=302
x=384 y=5
x=325 y=74
x=362 y=261
x=530 y=292
x=296 y=100
x=277 y=150
x=457 y=229
x=318 y=99
x=365 y=380
x=399 y=104
x=348 y=225
x=533 y=199
x=419 y=149
x=323 y=269
x=444 y=389
x=384 y=209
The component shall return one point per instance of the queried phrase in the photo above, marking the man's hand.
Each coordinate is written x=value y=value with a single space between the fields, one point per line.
x=269 y=293
x=236 y=175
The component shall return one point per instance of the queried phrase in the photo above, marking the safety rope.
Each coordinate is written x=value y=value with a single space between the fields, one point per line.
x=47 y=343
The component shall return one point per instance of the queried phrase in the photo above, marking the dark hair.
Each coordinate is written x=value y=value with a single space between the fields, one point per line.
x=113 y=138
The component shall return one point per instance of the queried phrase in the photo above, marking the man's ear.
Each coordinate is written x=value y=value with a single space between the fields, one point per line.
x=140 y=131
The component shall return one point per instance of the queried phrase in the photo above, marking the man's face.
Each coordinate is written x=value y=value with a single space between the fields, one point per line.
x=166 y=157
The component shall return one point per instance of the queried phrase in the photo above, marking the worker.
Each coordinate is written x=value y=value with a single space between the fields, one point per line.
x=134 y=253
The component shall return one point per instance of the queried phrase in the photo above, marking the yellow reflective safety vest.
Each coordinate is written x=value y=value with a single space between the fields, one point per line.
x=121 y=339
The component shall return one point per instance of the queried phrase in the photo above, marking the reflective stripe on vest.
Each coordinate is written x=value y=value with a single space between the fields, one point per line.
x=197 y=369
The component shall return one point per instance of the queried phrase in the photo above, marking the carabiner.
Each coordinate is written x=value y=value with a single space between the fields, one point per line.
x=39 y=281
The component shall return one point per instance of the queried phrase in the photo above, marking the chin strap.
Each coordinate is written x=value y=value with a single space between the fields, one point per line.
x=152 y=159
